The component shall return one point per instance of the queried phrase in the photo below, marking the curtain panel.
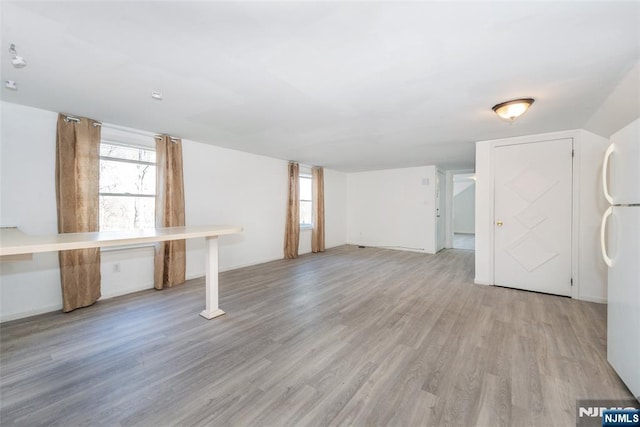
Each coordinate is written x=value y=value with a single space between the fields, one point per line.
x=170 y=257
x=317 y=234
x=292 y=227
x=77 y=181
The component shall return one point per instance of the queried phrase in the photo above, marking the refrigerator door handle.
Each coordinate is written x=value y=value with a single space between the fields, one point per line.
x=603 y=243
x=605 y=173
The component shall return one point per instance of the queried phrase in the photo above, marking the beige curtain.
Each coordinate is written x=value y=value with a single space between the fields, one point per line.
x=77 y=180
x=170 y=257
x=292 y=228
x=317 y=234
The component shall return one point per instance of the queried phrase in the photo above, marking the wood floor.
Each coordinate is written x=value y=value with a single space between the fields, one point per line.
x=349 y=337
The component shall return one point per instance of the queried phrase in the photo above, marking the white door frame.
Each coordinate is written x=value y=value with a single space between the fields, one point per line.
x=575 y=224
x=441 y=201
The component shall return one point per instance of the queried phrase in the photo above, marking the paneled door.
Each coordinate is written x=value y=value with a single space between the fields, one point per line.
x=532 y=216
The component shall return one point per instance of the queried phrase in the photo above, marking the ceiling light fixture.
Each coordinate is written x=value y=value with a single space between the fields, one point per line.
x=156 y=95
x=11 y=85
x=17 y=61
x=511 y=110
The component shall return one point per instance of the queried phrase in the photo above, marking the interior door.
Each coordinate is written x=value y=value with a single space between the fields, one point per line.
x=532 y=216
x=440 y=229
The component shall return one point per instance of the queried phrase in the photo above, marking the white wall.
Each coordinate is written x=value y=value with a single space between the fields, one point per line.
x=335 y=206
x=464 y=204
x=27 y=198
x=589 y=272
x=231 y=187
x=393 y=208
x=221 y=186
x=484 y=214
x=620 y=108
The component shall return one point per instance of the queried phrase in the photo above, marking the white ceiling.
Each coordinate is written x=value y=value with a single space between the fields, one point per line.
x=347 y=85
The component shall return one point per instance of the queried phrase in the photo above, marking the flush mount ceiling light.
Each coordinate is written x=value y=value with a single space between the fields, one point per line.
x=511 y=110
x=17 y=61
x=156 y=95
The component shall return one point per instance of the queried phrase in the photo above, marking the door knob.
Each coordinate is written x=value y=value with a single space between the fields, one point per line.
x=499 y=223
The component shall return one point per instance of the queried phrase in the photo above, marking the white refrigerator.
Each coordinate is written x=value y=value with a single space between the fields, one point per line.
x=620 y=241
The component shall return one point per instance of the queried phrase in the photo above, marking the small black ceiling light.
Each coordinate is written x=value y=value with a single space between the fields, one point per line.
x=511 y=110
x=17 y=61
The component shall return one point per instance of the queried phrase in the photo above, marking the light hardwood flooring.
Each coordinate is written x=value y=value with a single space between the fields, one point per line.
x=348 y=337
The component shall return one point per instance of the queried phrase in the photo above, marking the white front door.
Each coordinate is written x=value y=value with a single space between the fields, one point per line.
x=440 y=229
x=532 y=216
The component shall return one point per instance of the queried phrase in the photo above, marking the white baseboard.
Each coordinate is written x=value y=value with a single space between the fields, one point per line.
x=481 y=282
x=395 y=248
x=126 y=291
x=599 y=300
x=29 y=313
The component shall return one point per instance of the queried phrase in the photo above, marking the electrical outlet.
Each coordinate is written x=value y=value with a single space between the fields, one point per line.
x=116 y=267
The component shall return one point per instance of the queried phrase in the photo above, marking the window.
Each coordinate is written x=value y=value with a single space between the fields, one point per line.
x=127 y=187
x=306 y=203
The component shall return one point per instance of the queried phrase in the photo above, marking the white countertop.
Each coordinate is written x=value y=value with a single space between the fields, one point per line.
x=15 y=242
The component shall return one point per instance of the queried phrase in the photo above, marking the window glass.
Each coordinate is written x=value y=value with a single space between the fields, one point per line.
x=306 y=204
x=127 y=187
x=123 y=177
x=126 y=213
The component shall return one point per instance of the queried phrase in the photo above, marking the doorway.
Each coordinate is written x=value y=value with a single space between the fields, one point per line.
x=463 y=211
x=440 y=211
